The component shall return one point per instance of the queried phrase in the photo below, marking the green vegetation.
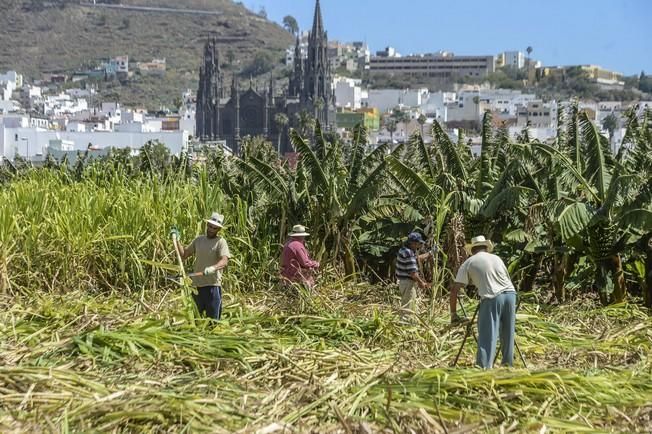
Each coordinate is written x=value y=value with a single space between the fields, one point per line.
x=93 y=337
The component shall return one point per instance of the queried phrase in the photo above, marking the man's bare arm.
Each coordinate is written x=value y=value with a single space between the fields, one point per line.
x=454 y=290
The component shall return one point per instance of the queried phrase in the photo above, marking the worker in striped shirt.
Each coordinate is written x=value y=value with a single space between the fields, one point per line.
x=407 y=272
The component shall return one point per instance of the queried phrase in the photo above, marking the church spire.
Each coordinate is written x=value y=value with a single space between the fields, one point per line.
x=317 y=23
x=317 y=81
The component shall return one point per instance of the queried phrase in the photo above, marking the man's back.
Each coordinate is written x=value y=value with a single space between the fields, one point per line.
x=295 y=261
x=487 y=272
x=406 y=263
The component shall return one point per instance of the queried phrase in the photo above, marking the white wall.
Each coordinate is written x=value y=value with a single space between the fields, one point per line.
x=541 y=134
x=13 y=77
x=6 y=89
x=386 y=99
x=176 y=141
x=435 y=106
x=348 y=93
x=465 y=108
x=515 y=59
x=8 y=106
x=131 y=116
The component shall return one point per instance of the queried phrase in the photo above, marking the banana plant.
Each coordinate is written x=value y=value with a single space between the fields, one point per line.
x=610 y=210
x=343 y=188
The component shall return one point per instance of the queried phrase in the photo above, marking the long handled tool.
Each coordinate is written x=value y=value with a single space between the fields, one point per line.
x=469 y=328
x=191 y=308
x=175 y=277
x=466 y=316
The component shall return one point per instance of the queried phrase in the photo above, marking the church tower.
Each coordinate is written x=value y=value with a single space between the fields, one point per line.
x=296 y=79
x=317 y=75
x=209 y=94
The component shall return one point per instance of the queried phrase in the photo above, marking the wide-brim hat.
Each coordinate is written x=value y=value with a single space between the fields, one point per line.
x=480 y=240
x=216 y=220
x=298 y=231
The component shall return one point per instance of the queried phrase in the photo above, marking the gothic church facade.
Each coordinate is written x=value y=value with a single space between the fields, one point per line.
x=252 y=112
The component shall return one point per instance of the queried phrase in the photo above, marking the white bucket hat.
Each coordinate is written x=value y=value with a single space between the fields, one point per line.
x=299 y=231
x=480 y=240
x=216 y=220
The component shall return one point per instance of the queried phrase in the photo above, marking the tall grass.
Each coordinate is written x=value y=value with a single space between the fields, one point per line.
x=95 y=234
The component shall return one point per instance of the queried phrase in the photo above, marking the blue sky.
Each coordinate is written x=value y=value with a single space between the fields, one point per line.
x=616 y=34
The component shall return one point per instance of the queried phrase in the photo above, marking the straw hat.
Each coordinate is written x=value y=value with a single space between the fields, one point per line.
x=216 y=220
x=480 y=240
x=299 y=231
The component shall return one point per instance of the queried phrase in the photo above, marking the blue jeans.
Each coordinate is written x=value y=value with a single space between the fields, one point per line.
x=209 y=301
x=496 y=317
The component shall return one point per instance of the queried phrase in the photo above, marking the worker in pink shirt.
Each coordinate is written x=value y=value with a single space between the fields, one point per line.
x=296 y=265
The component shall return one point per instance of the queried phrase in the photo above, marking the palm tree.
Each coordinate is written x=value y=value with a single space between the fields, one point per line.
x=281 y=121
x=390 y=125
x=306 y=123
x=529 y=50
x=610 y=123
x=290 y=24
x=422 y=120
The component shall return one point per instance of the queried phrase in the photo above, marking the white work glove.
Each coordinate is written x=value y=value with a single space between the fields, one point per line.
x=210 y=270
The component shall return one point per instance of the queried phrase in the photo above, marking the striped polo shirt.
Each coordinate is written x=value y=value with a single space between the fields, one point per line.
x=406 y=263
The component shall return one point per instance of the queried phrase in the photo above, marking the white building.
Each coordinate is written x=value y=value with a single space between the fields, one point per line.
x=387 y=99
x=6 y=90
x=12 y=77
x=119 y=65
x=76 y=127
x=348 y=92
x=467 y=107
x=505 y=101
x=9 y=106
x=435 y=107
x=538 y=114
x=35 y=141
x=80 y=93
x=187 y=119
x=33 y=92
x=541 y=134
x=132 y=116
x=472 y=102
x=513 y=59
x=303 y=49
x=39 y=122
x=9 y=82
x=57 y=105
x=148 y=126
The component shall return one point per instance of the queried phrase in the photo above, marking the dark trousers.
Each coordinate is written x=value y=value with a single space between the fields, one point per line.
x=209 y=301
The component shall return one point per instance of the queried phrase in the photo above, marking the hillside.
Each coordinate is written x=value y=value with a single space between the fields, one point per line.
x=61 y=36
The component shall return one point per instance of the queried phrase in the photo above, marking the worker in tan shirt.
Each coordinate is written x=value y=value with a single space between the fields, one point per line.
x=212 y=255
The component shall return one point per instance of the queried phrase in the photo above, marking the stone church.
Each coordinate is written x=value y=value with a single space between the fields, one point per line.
x=250 y=111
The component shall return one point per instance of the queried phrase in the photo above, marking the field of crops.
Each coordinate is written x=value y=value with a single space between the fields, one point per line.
x=93 y=337
x=339 y=361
